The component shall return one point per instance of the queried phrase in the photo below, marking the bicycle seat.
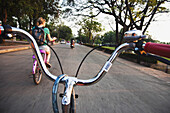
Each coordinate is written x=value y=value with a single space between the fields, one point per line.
x=133 y=35
x=41 y=51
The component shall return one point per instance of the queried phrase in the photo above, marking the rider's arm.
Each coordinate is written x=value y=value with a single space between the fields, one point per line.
x=48 y=35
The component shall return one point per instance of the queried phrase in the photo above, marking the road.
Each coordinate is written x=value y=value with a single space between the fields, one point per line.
x=126 y=88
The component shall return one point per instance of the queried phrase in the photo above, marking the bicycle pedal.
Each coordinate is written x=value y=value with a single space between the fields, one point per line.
x=61 y=95
x=76 y=95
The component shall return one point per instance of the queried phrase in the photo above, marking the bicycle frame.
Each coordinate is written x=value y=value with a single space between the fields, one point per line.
x=35 y=62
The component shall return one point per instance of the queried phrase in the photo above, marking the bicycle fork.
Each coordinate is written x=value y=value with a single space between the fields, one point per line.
x=69 y=84
x=34 y=66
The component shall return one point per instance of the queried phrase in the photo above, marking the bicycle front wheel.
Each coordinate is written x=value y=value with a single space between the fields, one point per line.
x=38 y=75
x=71 y=108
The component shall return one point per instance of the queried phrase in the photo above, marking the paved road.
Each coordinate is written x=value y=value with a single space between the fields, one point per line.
x=127 y=88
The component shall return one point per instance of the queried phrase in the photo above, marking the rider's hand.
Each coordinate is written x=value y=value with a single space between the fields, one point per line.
x=54 y=38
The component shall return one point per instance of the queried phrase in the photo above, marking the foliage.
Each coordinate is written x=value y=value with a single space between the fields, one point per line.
x=149 y=39
x=90 y=27
x=166 y=43
x=64 y=32
x=130 y=14
x=98 y=40
x=25 y=12
x=81 y=37
x=109 y=37
x=135 y=57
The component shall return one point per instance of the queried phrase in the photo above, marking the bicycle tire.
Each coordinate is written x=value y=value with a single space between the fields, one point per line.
x=38 y=75
x=71 y=108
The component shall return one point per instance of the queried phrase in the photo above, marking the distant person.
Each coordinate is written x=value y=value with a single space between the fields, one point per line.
x=41 y=24
x=72 y=43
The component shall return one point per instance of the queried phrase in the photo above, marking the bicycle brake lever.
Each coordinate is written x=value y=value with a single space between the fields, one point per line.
x=139 y=47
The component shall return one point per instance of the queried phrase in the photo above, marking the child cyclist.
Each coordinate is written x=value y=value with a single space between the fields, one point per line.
x=41 y=24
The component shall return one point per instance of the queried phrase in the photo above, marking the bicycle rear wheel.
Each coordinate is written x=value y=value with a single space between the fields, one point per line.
x=38 y=75
x=71 y=108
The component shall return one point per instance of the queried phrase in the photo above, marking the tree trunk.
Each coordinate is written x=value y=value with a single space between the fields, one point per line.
x=117 y=32
x=19 y=22
x=30 y=25
x=1 y=40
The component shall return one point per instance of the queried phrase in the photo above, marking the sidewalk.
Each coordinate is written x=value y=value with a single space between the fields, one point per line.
x=6 y=49
x=16 y=46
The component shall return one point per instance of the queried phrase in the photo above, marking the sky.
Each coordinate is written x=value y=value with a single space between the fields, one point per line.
x=159 y=29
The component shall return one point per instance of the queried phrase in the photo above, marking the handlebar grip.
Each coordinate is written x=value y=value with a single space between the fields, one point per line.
x=158 y=49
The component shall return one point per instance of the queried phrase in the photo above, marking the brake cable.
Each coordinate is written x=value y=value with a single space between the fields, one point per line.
x=56 y=57
x=84 y=59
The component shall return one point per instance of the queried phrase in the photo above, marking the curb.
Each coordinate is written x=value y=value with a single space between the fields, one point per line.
x=14 y=49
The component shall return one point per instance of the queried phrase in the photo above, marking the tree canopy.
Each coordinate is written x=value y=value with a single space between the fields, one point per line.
x=64 y=32
x=27 y=11
x=90 y=27
x=130 y=14
x=109 y=37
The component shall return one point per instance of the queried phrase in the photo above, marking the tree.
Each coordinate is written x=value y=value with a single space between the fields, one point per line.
x=109 y=37
x=64 y=32
x=98 y=39
x=149 y=39
x=28 y=10
x=129 y=14
x=90 y=27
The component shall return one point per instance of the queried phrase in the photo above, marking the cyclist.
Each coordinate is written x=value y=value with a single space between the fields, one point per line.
x=41 y=23
x=72 y=43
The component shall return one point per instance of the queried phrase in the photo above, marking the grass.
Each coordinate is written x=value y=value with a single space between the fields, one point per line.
x=111 y=48
x=165 y=58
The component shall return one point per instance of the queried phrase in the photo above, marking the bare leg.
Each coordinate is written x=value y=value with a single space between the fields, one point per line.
x=48 y=59
x=48 y=56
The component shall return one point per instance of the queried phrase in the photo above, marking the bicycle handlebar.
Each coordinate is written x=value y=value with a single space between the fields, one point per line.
x=158 y=49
